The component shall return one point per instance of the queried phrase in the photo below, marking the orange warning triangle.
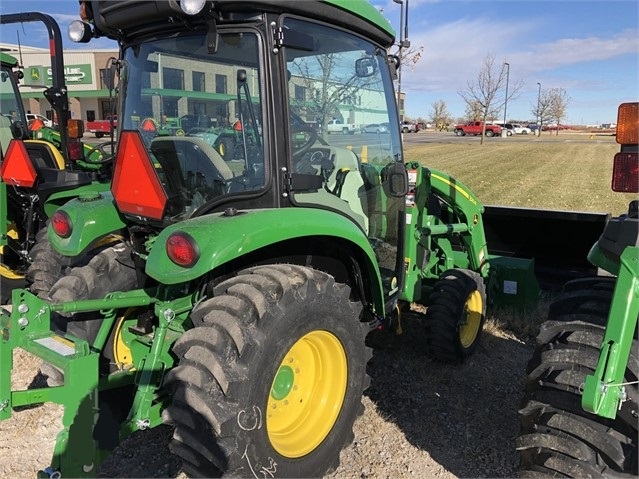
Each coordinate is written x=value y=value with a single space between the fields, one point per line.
x=17 y=169
x=36 y=125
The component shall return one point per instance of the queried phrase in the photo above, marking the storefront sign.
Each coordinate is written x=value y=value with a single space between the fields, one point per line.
x=73 y=75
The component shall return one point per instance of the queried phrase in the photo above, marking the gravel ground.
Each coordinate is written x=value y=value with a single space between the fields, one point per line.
x=422 y=419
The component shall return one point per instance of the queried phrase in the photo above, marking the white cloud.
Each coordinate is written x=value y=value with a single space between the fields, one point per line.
x=454 y=52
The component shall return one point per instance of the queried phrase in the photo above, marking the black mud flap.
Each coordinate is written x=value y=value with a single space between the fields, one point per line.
x=558 y=241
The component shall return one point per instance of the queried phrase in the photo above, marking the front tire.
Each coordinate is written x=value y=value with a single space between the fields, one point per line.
x=455 y=315
x=270 y=379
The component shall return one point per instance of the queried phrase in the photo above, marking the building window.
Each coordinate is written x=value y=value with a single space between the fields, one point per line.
x=173 y=78
x=145 y=81
x=220 y=84
x=199 y=108
x=170 y=107
x=198 y=81
x=300 y=93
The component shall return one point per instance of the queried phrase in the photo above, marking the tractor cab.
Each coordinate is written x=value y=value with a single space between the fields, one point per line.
x=261 y=87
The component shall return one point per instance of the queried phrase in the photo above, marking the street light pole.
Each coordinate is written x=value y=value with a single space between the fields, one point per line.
x=401 y=49
x=538 y=112
x=506 y=98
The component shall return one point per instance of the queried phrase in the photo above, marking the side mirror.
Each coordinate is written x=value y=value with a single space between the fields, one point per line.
x=365 y=67
x=395 y=179
x=109 y=74
x=394 y=65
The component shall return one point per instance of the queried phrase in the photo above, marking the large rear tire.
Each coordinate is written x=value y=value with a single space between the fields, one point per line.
x=47 y=266
x=558 y=437
x=270 y=379
x=109 y=270
x=455 y=315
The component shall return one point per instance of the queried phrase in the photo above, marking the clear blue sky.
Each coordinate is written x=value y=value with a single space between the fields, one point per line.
x=588 y=48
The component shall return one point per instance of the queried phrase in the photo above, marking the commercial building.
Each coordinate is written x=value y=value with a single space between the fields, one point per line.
x=84 y=73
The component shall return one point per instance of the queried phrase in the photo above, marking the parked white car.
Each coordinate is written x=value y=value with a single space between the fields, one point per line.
x=35 y=116
x=521 y=129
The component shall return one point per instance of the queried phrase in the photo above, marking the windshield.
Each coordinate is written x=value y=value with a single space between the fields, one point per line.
x=199 y=114
x=345 y=129
x=10 y=109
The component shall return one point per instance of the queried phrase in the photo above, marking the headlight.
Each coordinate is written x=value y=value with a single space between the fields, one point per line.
x=192 y=7
x=79 y=32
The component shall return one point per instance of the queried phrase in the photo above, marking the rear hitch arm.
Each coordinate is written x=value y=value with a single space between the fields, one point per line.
x=604 y=391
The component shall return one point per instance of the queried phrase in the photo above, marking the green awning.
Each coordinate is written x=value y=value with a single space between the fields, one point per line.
x=71 y=94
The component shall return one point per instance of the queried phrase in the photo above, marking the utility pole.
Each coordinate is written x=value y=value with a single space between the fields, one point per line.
x=538 y=112
x=403 y=43
x=506 y=98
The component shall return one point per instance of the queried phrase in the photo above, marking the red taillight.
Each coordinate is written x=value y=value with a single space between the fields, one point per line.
x=136 y=187
x=182 y=249
x=17 y=169
x=625 y=173
x=61 y=224
x=75 y=150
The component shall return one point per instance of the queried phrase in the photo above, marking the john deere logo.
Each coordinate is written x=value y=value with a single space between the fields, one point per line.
x=35 y=74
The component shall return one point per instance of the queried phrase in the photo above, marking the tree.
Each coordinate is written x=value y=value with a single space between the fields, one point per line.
x=558 y=105
x=551 y=106
x=439 y=115
x=484 y=93
x=324 y=87
x=473 y=111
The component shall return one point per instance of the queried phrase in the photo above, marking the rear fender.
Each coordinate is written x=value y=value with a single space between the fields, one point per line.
x=93 y=216
x=56 y=200
x=223 y=237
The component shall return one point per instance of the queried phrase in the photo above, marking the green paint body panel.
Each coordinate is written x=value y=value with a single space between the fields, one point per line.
x=364 y=9
x=56 y=200
x=8 y=60
x=223 y=238
x=91 y=220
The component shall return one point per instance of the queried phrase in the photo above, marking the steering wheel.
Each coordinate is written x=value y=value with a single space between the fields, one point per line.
x=299 y=126
x=106 y=151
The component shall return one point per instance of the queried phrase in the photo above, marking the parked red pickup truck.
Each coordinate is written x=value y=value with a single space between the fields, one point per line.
x=101 y=127
x=475 y=128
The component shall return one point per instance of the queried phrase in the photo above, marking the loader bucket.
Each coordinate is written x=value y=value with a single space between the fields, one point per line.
x=558 y=241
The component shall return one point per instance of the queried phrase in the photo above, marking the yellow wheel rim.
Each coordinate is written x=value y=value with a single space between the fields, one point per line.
x=469 y=330
x=9 y=274
x=306 y=395
x=5 y=272
x=121 y=352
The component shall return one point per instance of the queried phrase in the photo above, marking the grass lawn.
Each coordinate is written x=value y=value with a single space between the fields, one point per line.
x=565 y=172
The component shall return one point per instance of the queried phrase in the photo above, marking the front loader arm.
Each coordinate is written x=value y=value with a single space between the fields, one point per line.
x=445 y=228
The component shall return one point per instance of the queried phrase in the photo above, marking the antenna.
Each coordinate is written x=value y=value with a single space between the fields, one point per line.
x=20 y=49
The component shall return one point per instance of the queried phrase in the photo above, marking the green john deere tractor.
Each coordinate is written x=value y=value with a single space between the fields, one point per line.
x=40 y=169
x=580 y=410
x=233 y=300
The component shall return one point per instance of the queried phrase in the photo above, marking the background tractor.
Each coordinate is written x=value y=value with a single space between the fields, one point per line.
x=40 y=168
x=580 y=411
x=236 y=301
